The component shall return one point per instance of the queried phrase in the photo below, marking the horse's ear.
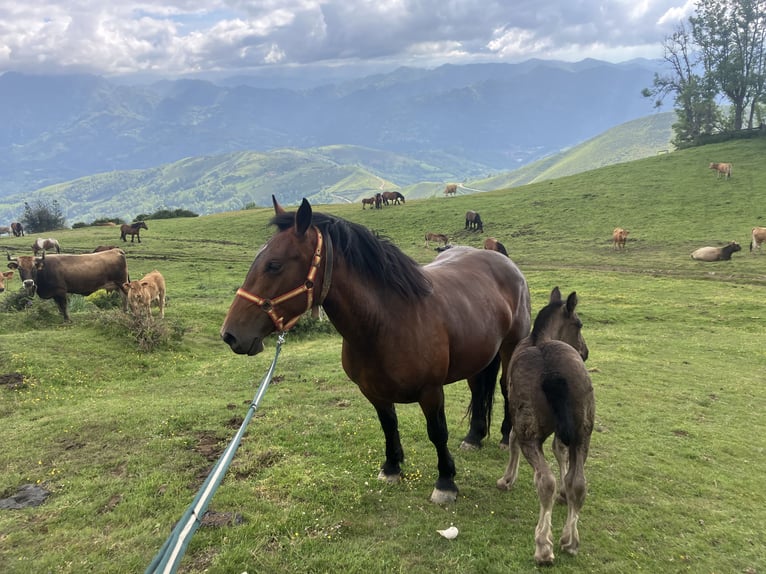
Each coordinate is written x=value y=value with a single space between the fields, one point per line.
x=555 y=295
x=278 y=209
x=303 y=217
x=572 y=302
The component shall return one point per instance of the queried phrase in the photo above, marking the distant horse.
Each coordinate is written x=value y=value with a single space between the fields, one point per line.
x=619 y=237
x=473 y=221
x=494 y=245
x=41 y=244
x=5 y=231
x=451 y=189
x=551 y=392
x=101 y=248
x=407 y=330
x=132 y=229
x=392 y=196
x=368 y=201
x=440 y=237
x=17 y=229
x=378 y=201
x=722 y=169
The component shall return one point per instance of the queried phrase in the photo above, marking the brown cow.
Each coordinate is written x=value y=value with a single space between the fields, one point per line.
x=451 y=189
x=142 y=294
x=716 y=253
x=7 y=276
x=619 y=237
x=101 y=248
x=55 y=276
x=758 y=236
x=722 y=169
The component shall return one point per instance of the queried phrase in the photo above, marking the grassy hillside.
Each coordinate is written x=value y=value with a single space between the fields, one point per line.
x=123 y=438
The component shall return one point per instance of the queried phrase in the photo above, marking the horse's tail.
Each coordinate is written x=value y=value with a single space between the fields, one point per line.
x=556 y=390
x=482 y=399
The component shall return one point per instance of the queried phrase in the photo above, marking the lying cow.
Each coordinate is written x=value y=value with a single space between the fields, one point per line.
x=7 y=276
x=758 y=236
x=619 y=237
x=722 y=169
x=716 y=253
x=55 y=276
x=142 y=294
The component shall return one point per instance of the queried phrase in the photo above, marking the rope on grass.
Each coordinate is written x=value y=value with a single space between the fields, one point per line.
x=171 y=553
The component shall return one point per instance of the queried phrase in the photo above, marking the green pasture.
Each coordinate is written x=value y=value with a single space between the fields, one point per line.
x=123 y=438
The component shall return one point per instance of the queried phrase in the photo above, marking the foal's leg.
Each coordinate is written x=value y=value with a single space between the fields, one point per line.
x=391 y=470
x=512 y=470
x=432 y=404
x=576 y=489
x=561 y=451
x=545 y=482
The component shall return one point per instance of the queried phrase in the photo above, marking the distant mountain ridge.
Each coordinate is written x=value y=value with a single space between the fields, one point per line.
x=329 y=174
x=464 y=121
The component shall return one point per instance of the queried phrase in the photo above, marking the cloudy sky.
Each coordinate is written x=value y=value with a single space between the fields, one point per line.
x=175 y=37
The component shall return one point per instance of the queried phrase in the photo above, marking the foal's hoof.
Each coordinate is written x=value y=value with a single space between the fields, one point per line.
x=465 y=445
x=443 y=496
x=389 y=478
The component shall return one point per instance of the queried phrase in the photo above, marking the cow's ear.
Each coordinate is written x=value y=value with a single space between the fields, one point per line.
x=278 y=209
x=13 y=265
x=303 y=217
x=8 y=274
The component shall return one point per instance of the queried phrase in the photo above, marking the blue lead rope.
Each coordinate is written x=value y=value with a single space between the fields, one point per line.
x=171 y=553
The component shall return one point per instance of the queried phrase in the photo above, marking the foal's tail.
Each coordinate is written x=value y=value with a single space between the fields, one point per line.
x=556 y=390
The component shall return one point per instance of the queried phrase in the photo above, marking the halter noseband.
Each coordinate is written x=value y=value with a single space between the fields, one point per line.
x=267 y=305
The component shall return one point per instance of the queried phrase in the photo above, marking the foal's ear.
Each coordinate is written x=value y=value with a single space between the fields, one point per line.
x=278 y=209
x=555 y=296
x=303 y=217
x=572 y=301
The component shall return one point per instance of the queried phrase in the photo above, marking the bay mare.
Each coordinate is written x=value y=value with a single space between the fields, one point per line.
x=407 y=329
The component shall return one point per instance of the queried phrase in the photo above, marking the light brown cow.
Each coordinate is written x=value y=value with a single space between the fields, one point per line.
x=758 y=236
x=451 y=189
x=722 y=169
x=150 y=289
x=7 y=276
x=619 y=237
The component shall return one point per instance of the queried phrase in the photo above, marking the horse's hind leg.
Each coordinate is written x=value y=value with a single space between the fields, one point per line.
x=574 y=483
x=545 y=482
x=482 y=388
x=561 y=452
x=432 y=404
x=391 y=470
x=512 y=470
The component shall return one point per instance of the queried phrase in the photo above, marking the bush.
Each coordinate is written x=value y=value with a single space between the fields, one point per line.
x=43 y=216
x=165 y=214
x=146 y=332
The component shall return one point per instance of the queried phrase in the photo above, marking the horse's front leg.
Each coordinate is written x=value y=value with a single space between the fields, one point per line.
x=391 y=470
x=432 y=404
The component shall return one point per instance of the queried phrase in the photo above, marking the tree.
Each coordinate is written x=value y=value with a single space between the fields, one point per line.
x=43 y=216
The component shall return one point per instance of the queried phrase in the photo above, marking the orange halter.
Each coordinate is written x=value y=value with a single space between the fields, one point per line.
x=267 y=305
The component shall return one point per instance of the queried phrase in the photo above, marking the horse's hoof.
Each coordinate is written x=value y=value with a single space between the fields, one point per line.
x=389 y=478
x=443 y=496
x=465 y=445
x=503 y=484
x=544 y=557
x=503 y=444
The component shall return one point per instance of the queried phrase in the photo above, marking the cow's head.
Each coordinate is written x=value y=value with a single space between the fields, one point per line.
x=139 y=297
x=28 y=267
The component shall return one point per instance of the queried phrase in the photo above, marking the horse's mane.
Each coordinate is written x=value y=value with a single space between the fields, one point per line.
x=375 y=257
x=542 y=319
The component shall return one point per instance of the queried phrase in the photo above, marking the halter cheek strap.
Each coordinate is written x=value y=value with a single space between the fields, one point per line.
x=267 y=305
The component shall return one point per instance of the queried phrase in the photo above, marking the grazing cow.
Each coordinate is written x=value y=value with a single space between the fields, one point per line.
x=758 y=237
x=494 y=245
x=142 y=294
x=42 y=244
x=619 y=237
x=5 y=231
x=101 y=248
x=18 y=229
x=132 y=229
x=7 y=276
x=722 y=169
x=440 y=237
x=473 y=221
x=451 y=189
x=716 y=253
x=368 y=201
x=55 y=276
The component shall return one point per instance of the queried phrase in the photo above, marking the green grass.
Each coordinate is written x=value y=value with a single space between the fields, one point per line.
x=124 y=438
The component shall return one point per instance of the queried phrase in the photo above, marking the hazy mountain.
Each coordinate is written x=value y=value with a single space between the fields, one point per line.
x=464 y=121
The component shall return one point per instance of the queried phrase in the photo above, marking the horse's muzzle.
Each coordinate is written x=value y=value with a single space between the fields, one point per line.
x=240 y=347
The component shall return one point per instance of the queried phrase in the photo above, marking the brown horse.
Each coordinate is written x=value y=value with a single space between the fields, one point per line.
x=394 y=197
x=368 y=201
x=450 y=189
x=473 y=221
x=407 y=330
x=438 y=237
x=132 y=229
x=42 y=244
x=18 y=229
x=494 y=245
x=551 y=392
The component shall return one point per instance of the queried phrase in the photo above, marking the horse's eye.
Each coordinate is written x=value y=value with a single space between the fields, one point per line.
x=273 y=266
